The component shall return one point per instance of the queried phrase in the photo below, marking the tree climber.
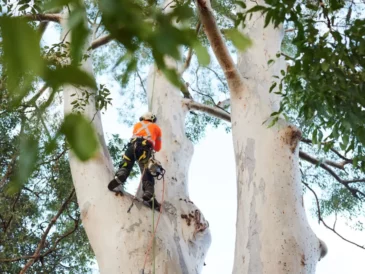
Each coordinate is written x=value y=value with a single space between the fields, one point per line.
x=146 y=138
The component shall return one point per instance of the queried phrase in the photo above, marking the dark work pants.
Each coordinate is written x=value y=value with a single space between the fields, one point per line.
x=138 y=150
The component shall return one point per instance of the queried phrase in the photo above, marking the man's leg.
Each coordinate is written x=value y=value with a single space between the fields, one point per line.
x=143 y=154
x=125 y=168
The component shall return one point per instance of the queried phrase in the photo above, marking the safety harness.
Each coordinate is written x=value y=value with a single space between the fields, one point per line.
x=145 y=128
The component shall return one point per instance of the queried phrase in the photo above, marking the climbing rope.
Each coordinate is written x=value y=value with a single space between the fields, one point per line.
x=154 y=229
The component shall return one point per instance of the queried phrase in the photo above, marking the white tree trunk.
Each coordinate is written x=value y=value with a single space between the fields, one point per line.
x=273 y=235
x=120 y=239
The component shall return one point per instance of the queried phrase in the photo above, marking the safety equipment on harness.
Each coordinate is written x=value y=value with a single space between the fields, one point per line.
x=155 y=168
x=148 y=116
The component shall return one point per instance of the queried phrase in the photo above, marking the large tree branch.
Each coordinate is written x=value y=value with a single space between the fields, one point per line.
x=320 y=219
x=101 y=41
x=37 y=252
x=53 y=17
x=214 y=111
x=219 y=47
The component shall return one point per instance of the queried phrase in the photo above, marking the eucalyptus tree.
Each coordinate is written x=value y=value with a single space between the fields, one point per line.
x=273 y=106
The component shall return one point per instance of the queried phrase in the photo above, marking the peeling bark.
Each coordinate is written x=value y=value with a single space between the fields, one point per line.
x=273 y=234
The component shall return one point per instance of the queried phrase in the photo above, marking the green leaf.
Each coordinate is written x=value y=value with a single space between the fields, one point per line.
x=22 y=58
x=80 y=135
x=79 y=33
x=241 y=4
x=240 y=41
x=325 y=66
x=273 y=122
x=26 y=164
x=272 y=86
x=257 y=8
x=314 y=136
x=71 y=75
x=202 y=54
x=172 y=76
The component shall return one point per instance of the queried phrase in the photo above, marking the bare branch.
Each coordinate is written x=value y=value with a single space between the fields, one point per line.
x=8 y=169
x=190 y=53
x=141 y=81
x=217 y=75
x=185 y=91
x=348 y=161
x=345 y=183
x=101 y=41
x=68 y=233
x=323 y=222
x=224 y=103
x=53 y=17
x=214 y=111
x=37 y=252
x=219 y=47
x=290 y=30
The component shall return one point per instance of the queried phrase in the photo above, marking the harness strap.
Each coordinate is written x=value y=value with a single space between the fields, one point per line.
x=145 y=128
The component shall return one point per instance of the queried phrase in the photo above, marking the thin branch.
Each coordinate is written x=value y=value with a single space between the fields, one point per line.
x=168 y=4
x=31 y=191
x=37 y=95
x=8 y=170
x=68 y=233
x=219 y=47
x=41 y=244
x=53 y=17
x=185 y=91
x=323 y=222
x=190 y=53
x=212 y=99
x=141 y=81
x=290 y=30
x=225 y=103
x=7 y=224
x=348 y=161
x=217 y=75
x=214 y=111
x=345 y=183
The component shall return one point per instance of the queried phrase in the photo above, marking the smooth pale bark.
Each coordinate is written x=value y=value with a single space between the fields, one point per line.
x=273 y=234
x=120 y=239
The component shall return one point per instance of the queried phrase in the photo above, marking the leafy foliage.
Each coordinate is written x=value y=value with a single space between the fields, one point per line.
x=324 y=82
x=44 y=183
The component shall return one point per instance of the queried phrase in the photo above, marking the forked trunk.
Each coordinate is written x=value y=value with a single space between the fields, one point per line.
x=120 y=239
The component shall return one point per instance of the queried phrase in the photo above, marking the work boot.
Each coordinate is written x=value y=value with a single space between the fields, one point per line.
x=148 y=191
x=152 y=203
x=117 y=183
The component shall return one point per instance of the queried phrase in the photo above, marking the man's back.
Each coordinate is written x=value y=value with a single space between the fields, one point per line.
x=150 y=131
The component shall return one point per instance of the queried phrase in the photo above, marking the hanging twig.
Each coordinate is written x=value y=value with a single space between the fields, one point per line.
x=320 y=219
